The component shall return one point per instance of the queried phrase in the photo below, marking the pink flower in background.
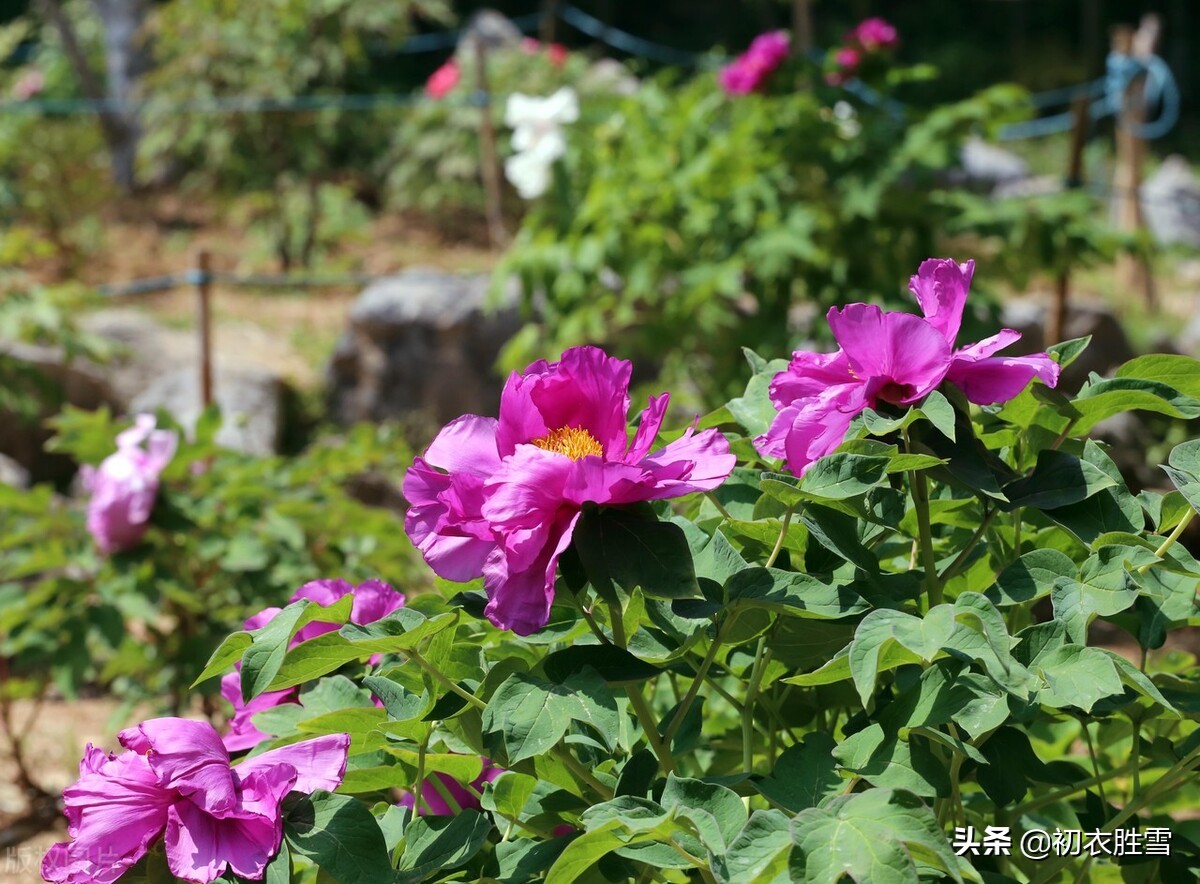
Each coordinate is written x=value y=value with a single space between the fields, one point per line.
x=29 y=85
x=124 y=486
x=373 y=600
x=500 y=498
x=442 y=81
x=873 y=34
x=531 y=45
x=434 y=804
x=892 y=357
x=558 y=54
x=175 y=781
x=750 y=70
x=847 y=60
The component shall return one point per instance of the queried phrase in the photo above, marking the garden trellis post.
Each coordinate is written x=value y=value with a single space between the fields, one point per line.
x=1133 y=270
x=1080 y=118
x=204 y=325
x=490 y=155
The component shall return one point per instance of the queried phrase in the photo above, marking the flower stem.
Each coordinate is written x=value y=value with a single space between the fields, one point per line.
x=920 y=493
x=720 y=507
x=437 y=675
x=1170 y=541
x=690 y=697
x=782 y=534
x=762 y=656
x=645 y=715
x=956 y=566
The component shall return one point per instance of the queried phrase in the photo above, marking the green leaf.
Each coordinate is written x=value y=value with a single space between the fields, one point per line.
x=754 y=409
x=840 y=476
x=1057 y=480
x=760 y=852
x=801 y=594
x=804 y=775
x=888 y=762
x=531 y=715
x=339 y=834
x=1180 y=372
x=434 y=844
x=717 y=813
x=1077 y=677
x=269 y=645
x=1030 y=577
x=632 y=549
x=1183 y=469
x=615 y=665
x=1101 y=399
x=876 y=836
x=227 y=653
x=588 y=849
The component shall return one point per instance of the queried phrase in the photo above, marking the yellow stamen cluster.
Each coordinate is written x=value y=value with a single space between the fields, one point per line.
x=574 y=442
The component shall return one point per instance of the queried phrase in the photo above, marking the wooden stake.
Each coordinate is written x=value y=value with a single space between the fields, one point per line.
x=204 y=325
x=1133 y=271
x=489 y=156
x=548 y=27
x=1080 y=118
x=802 y=27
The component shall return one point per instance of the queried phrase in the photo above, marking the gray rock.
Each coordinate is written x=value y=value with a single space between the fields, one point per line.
x=142 y=350
x=494 y=28
x=1171 y=203
x=989 y=164
x=12 y=473
x=421 y=344
x=1189 y=338
x=251 y=403
x=1024 y=188
x=1109 y=347
x=48 y=380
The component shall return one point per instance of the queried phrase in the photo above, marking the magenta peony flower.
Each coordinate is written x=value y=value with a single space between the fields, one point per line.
x=373 y=600
x=873 y=34
x=29 y=85
x=442 y=81
x=500 y=498
x=892 y=357
x=750 y=70
x=847 y=59
x=436 y=805
x=125 y=484
x=175 y=780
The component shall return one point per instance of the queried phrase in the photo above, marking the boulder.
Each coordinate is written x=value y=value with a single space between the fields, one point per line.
x=251 y=403
x=48 y=380
x=989 y=164
x=421 y=344
x=495 y=29
x=1109 y=348
x=12 y=473
x=1171 y=203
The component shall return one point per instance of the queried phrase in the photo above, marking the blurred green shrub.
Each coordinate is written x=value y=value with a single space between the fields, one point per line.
x=690 y=222
x=229 y=535
x=434 y=160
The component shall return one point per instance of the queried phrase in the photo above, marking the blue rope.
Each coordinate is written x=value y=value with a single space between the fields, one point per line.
x=628 y=43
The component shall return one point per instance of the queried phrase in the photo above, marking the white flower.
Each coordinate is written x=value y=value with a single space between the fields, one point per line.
x=537 y=139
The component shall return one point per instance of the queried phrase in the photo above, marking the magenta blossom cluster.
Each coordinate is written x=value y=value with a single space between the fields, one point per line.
x=434 y=803
x=500 y=498
x=373 y=600
x=895 y=358
x=750 y=70
x=123 y=488
x=870 y=37
x=175 y=782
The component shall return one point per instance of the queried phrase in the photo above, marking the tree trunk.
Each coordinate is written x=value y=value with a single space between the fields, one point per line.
x=126 y=59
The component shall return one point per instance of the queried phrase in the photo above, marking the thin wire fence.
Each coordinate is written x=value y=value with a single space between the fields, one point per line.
x=1105 y=94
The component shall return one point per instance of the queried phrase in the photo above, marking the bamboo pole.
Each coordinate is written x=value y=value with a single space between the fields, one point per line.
x=1080 y=117
x=204 y=325
x=489 y=155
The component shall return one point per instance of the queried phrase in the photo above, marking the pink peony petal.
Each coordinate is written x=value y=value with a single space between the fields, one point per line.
x=941 y=286
x=317 y=764
x=188 y=757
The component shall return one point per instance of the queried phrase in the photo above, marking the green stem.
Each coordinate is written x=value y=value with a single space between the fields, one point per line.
x=694 y=688
x=444 y=681
x=762 y=657
x=582 y=772
x=1067 y=791
x=1170 y=541
x=1167 y=782
x=720 y=507
x=645 y=715
x=417 y=800
x=1091 y=747
x=787 y=519
x=920 y=491
x=956 y=566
